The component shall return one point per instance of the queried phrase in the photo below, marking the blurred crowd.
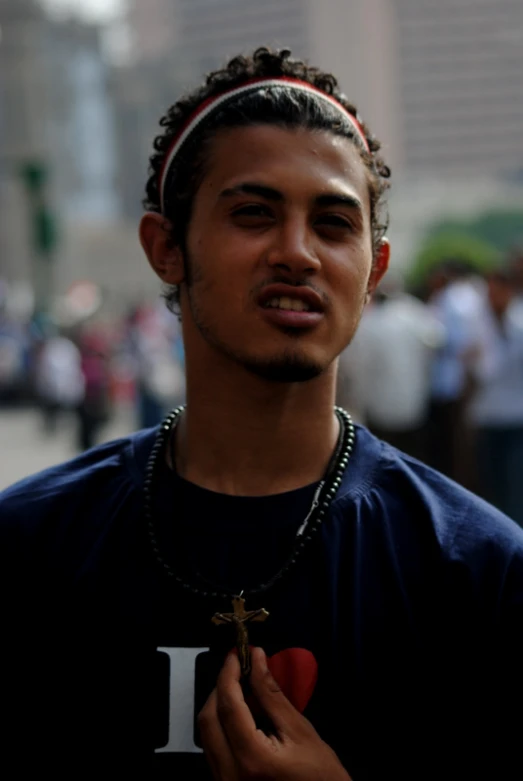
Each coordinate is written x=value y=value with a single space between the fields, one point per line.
x=91 y=367
x=438 y=375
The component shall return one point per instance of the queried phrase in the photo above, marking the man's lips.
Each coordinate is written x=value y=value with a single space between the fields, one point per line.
x=290 y=318
x=297 y=293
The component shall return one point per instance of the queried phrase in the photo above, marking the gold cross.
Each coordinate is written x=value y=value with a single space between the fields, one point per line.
x=240 y=618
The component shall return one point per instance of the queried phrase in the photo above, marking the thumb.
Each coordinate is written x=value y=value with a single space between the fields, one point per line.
x=269 y=695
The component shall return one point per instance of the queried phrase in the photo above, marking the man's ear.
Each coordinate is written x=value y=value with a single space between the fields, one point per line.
x=165 y=259
x=379 y=266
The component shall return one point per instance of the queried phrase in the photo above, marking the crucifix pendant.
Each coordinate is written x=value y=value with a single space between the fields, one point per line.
x=240 y=618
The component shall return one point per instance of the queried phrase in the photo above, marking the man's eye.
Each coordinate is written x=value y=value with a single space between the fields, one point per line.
x=334 y=221
x=252 y=210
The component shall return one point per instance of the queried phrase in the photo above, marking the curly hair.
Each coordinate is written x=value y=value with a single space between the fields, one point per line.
x=280 y=107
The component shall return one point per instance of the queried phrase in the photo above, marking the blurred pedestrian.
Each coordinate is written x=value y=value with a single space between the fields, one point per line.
x=456 y=299
x=14 y=350
x=154 y=340
x=516 y=271
x=59 y=378
x=93 y=411
x=388 y=366
x=497 y=406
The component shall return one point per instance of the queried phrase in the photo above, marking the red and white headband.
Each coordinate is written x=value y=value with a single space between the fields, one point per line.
x=214 y=102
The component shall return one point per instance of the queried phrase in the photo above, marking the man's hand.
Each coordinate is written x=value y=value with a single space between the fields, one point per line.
x=238 y=751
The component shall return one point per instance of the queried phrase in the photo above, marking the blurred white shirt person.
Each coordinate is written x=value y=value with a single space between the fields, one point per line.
x=388 y=367
x=458 y=301
x=496 y=410
x=60 y=382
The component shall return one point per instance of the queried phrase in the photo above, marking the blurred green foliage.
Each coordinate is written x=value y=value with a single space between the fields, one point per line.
x=481 y=242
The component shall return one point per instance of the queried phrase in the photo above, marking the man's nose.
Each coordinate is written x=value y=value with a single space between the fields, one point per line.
x=293 y=250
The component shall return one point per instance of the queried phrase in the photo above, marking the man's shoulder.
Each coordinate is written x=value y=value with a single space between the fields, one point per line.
x=94 y=477
x=408 y=496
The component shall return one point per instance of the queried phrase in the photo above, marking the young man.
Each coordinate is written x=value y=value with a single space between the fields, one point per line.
x=387 y=600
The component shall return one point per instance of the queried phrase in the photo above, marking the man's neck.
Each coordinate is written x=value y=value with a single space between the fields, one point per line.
x=256 y=437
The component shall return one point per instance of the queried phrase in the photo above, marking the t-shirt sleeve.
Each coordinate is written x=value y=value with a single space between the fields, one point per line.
x=52 y=526
x=486 y=597
x=509 y=620
x=504 y=674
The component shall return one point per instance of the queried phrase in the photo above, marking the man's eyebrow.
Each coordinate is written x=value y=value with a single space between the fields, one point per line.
x=271 y=194
x=252 y=188
x=337 y=199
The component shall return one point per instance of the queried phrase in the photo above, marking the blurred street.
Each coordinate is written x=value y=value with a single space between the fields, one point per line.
x=25 y=448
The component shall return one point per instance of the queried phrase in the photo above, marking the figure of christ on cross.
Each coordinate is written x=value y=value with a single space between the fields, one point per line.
x=240 y=618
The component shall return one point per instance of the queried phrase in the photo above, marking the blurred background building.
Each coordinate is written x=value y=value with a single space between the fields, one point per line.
x=438 y=81
x=355 y=40
x=461 y=88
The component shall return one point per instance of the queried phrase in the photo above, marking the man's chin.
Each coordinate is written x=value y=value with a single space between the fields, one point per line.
x=285 y=369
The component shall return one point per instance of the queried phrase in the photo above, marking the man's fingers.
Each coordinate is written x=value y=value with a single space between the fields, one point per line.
x=217 y=750
x=282 y=713
x=233 y=712
x=236 y=749
x=235 y=716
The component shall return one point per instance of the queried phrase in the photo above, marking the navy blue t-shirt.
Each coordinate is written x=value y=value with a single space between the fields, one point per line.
x=399 y=633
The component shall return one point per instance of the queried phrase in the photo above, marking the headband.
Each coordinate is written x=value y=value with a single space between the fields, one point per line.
x=253 y=85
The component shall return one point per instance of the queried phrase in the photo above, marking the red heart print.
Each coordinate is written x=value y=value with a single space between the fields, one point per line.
x=296 y=672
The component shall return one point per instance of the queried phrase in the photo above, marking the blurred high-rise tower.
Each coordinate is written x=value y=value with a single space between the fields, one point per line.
x=356 y=40
x=153 y=30
x=56 y=120
x=439 y=82
x=23 y=97
x=462 y=86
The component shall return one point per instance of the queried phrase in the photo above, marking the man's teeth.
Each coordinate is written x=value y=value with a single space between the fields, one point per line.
x=288 y=303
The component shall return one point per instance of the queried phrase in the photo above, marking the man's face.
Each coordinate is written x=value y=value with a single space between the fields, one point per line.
x=278 y=251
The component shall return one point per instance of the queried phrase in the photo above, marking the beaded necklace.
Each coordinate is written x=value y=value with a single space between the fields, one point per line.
x=323 y=497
